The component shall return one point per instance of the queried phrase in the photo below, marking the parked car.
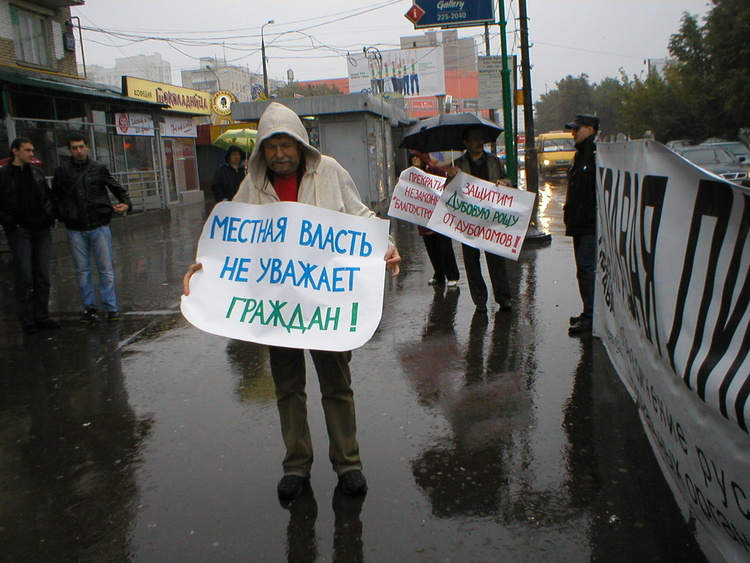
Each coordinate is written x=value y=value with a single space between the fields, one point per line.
x=555 y=151
x=680 y=143
x=740 y=150
x=717 y=160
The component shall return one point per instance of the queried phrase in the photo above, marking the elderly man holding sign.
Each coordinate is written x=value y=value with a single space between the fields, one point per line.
x=284 y=167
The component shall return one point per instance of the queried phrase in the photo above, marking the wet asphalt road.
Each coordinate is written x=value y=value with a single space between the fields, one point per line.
x=495 y=438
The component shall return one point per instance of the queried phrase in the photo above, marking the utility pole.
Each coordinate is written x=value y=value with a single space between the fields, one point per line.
x=510 y=141
x=263 y=55
x=532 y=170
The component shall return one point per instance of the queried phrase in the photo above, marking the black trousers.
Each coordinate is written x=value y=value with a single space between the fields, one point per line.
x=440 y=250
x=497 y=271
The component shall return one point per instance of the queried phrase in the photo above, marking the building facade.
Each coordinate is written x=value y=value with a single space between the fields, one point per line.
x=148 y=67
x=215 y=74
x=146 y=143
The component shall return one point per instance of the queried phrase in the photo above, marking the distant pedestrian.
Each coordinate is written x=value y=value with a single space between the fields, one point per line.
x=82 y=202
x=579 y=214
x=229 y=175
x=485 y=166
x=26 y=215
x=439 y=247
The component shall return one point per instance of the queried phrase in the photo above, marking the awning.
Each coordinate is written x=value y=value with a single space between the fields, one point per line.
x=80 y=87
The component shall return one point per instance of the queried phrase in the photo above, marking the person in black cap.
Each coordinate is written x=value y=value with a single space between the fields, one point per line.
x=229 y=175
x=579 y=214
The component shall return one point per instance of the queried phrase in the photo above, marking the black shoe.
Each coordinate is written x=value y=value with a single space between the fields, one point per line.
x=291 y=486
x=353 y=482
x=505 y=304
x=574 y=320
x=47 y=324
x=581 y=326
x=30 y=328
x=113 y=316
x=90 y=316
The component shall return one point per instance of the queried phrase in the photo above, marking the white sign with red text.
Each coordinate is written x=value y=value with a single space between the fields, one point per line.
x=483 y=215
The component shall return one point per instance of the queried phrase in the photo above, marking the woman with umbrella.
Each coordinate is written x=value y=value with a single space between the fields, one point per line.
x=439 y=247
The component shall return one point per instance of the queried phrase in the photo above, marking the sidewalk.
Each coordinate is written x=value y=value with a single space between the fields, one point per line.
x=493 y=438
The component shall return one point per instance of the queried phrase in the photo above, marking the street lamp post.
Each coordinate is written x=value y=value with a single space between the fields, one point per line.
x=218 y=80
x=263 y=54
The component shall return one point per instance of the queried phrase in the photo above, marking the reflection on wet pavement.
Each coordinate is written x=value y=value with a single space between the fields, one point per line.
x=484 y=438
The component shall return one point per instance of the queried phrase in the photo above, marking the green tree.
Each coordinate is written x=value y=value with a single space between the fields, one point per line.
x=608 y=97
x=554 y=109
x=702 y=93
x=651 y=109
x=727 y=46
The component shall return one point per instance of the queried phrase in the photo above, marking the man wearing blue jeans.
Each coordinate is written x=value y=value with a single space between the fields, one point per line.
x=579 y=214
x=82 y=202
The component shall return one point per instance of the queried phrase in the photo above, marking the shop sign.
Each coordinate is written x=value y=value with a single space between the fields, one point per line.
x=184 y=100
x=222 y=101
x=422 y=105
x=178 y=127
x=139 y=124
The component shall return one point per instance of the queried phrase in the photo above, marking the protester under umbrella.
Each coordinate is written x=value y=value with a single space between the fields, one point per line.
x=445 y=132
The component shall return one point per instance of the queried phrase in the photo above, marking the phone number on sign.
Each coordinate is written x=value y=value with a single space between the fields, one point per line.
x=451 y=16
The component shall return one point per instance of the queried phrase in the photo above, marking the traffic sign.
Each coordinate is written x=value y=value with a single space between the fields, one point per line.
x=414 y=14
x=450 y=13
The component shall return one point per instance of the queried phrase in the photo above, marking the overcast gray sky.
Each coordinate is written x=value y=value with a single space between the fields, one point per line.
x=596 y=37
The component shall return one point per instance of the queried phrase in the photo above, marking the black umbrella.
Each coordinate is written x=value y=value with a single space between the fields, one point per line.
x=444 y=132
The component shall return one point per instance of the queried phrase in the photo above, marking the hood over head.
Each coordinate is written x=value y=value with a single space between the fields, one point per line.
x=277 y=119
x=234 y=148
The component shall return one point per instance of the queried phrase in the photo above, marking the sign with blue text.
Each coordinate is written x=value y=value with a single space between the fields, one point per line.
x=289 y=274
x=450 y=13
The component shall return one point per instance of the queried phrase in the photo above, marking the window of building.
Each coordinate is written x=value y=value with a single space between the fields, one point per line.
x=30 y=38
x=32 y=106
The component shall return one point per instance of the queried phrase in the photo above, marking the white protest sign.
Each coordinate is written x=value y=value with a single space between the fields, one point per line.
x=289 y=274
x=483 y=215
x=415 y=196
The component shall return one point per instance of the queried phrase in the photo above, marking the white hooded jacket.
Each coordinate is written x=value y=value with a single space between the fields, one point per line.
x=325 y=182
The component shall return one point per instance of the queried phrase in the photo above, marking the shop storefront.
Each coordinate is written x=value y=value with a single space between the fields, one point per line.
x=149 y=147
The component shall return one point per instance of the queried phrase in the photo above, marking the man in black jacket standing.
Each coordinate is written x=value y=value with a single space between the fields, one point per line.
x=229 y=175
x=80 y=189
x=26 y=216
x=579 y=214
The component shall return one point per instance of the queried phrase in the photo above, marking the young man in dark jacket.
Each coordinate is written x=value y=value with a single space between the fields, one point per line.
x=80 y=190
x=229 y=175
x=26 y=216
x=579 y=214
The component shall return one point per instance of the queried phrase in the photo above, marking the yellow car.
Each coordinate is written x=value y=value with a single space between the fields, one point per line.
x=555 y=151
